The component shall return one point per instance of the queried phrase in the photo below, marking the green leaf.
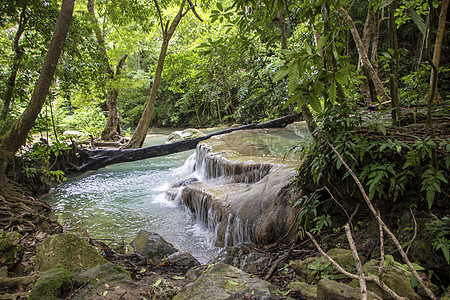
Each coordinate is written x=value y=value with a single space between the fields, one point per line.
x=219 y=6
x=158 y=282
x=417 y=19
x=178 y=277
x=332 y=91
x=232 y=282
x=105 y=293
x=315 y=102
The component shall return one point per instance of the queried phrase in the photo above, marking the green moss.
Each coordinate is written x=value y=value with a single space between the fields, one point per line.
x=68 y=251
x=52 y=284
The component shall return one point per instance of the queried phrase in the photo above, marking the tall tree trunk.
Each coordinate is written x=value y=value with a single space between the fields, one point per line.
x=17 y=134
x=113 y=128
x=112 y=131
x=137 y=140
x=282 y=25
x=18 y=54
x=368 y=35
x=371 y=72
x=438 y=45
x=393 y=76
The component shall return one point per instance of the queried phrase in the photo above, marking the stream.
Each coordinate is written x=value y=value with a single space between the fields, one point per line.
x=112 y=204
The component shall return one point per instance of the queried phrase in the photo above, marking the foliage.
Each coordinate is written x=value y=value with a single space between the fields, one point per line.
x=441 y=230
x=388 y=167
x=36 y=161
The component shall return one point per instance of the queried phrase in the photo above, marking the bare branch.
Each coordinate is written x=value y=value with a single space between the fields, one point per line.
x=362 y=279
x=380 y=221
x=415 y=231
x=192 y=7
x=160 y=17
x=380 y=268
x=353 y=276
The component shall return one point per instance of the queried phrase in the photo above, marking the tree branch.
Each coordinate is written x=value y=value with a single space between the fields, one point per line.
x=380 y=221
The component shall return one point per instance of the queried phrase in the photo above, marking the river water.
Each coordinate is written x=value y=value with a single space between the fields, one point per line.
x=115 y=202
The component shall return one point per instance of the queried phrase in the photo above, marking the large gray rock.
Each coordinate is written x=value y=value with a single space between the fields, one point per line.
x=152 y=246
x=107 y=281
x=328 y=289
x=68 y=251
x=182 y=135
x=308 y=291
x=242 y=257
x=222 y=281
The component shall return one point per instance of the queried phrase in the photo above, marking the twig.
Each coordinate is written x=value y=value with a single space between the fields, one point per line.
x=415 y=231
x=381 y=222
x=275 y=265
x=380 y=268
x=353 y=276
x=362 y=279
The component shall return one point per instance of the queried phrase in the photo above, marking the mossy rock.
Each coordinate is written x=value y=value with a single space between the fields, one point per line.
x=10 y=254
x=308 y=291
x=343 y=257
x=152 y=246
x=109 y=279
x=328 y=289
x=222 y=281
x=397 y=280
x=68 y=251
x=162 y=290
x=52 y=285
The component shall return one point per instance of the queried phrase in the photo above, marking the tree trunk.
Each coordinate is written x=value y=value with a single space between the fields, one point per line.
x=17 y=134
x=113 y=130
x=95 y=159
x=393 y=64
x=372 y=74
x=438 y=44
x=137 y=140
x=18 y=53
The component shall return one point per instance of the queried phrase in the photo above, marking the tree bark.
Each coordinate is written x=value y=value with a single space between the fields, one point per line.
x=17 y=134
x=137 y=140
x=379 y=88
x=95 y=159
x=438 y=44
x=393 y=63
x=18 y=53
x=113 y=130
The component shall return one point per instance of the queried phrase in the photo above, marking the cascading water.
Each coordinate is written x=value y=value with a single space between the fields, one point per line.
x=213 y=176
x=115 y=202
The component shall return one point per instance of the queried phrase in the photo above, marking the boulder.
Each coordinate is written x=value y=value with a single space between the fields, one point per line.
x=183 y=260
x=52 y=284
x=68 y=251
x=152 y=246
x=222 y=281
x=242 y=257
x=328 y=289
x=305 y=269
x=396 y=279
x=306 y=290
x=182 y=135
x=107 y=281
x=10 y=254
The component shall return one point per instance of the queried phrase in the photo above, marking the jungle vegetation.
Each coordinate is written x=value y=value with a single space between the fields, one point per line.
x=370 y=78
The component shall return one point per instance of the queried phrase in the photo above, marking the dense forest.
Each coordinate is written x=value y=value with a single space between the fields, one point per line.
x=370 y=78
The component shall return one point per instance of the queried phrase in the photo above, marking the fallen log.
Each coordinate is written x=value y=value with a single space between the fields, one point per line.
x=96 y=159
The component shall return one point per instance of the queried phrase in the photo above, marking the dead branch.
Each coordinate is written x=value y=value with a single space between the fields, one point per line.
x=415 y=231
x=362 y=279
x=353 y=276
x=380 y=221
